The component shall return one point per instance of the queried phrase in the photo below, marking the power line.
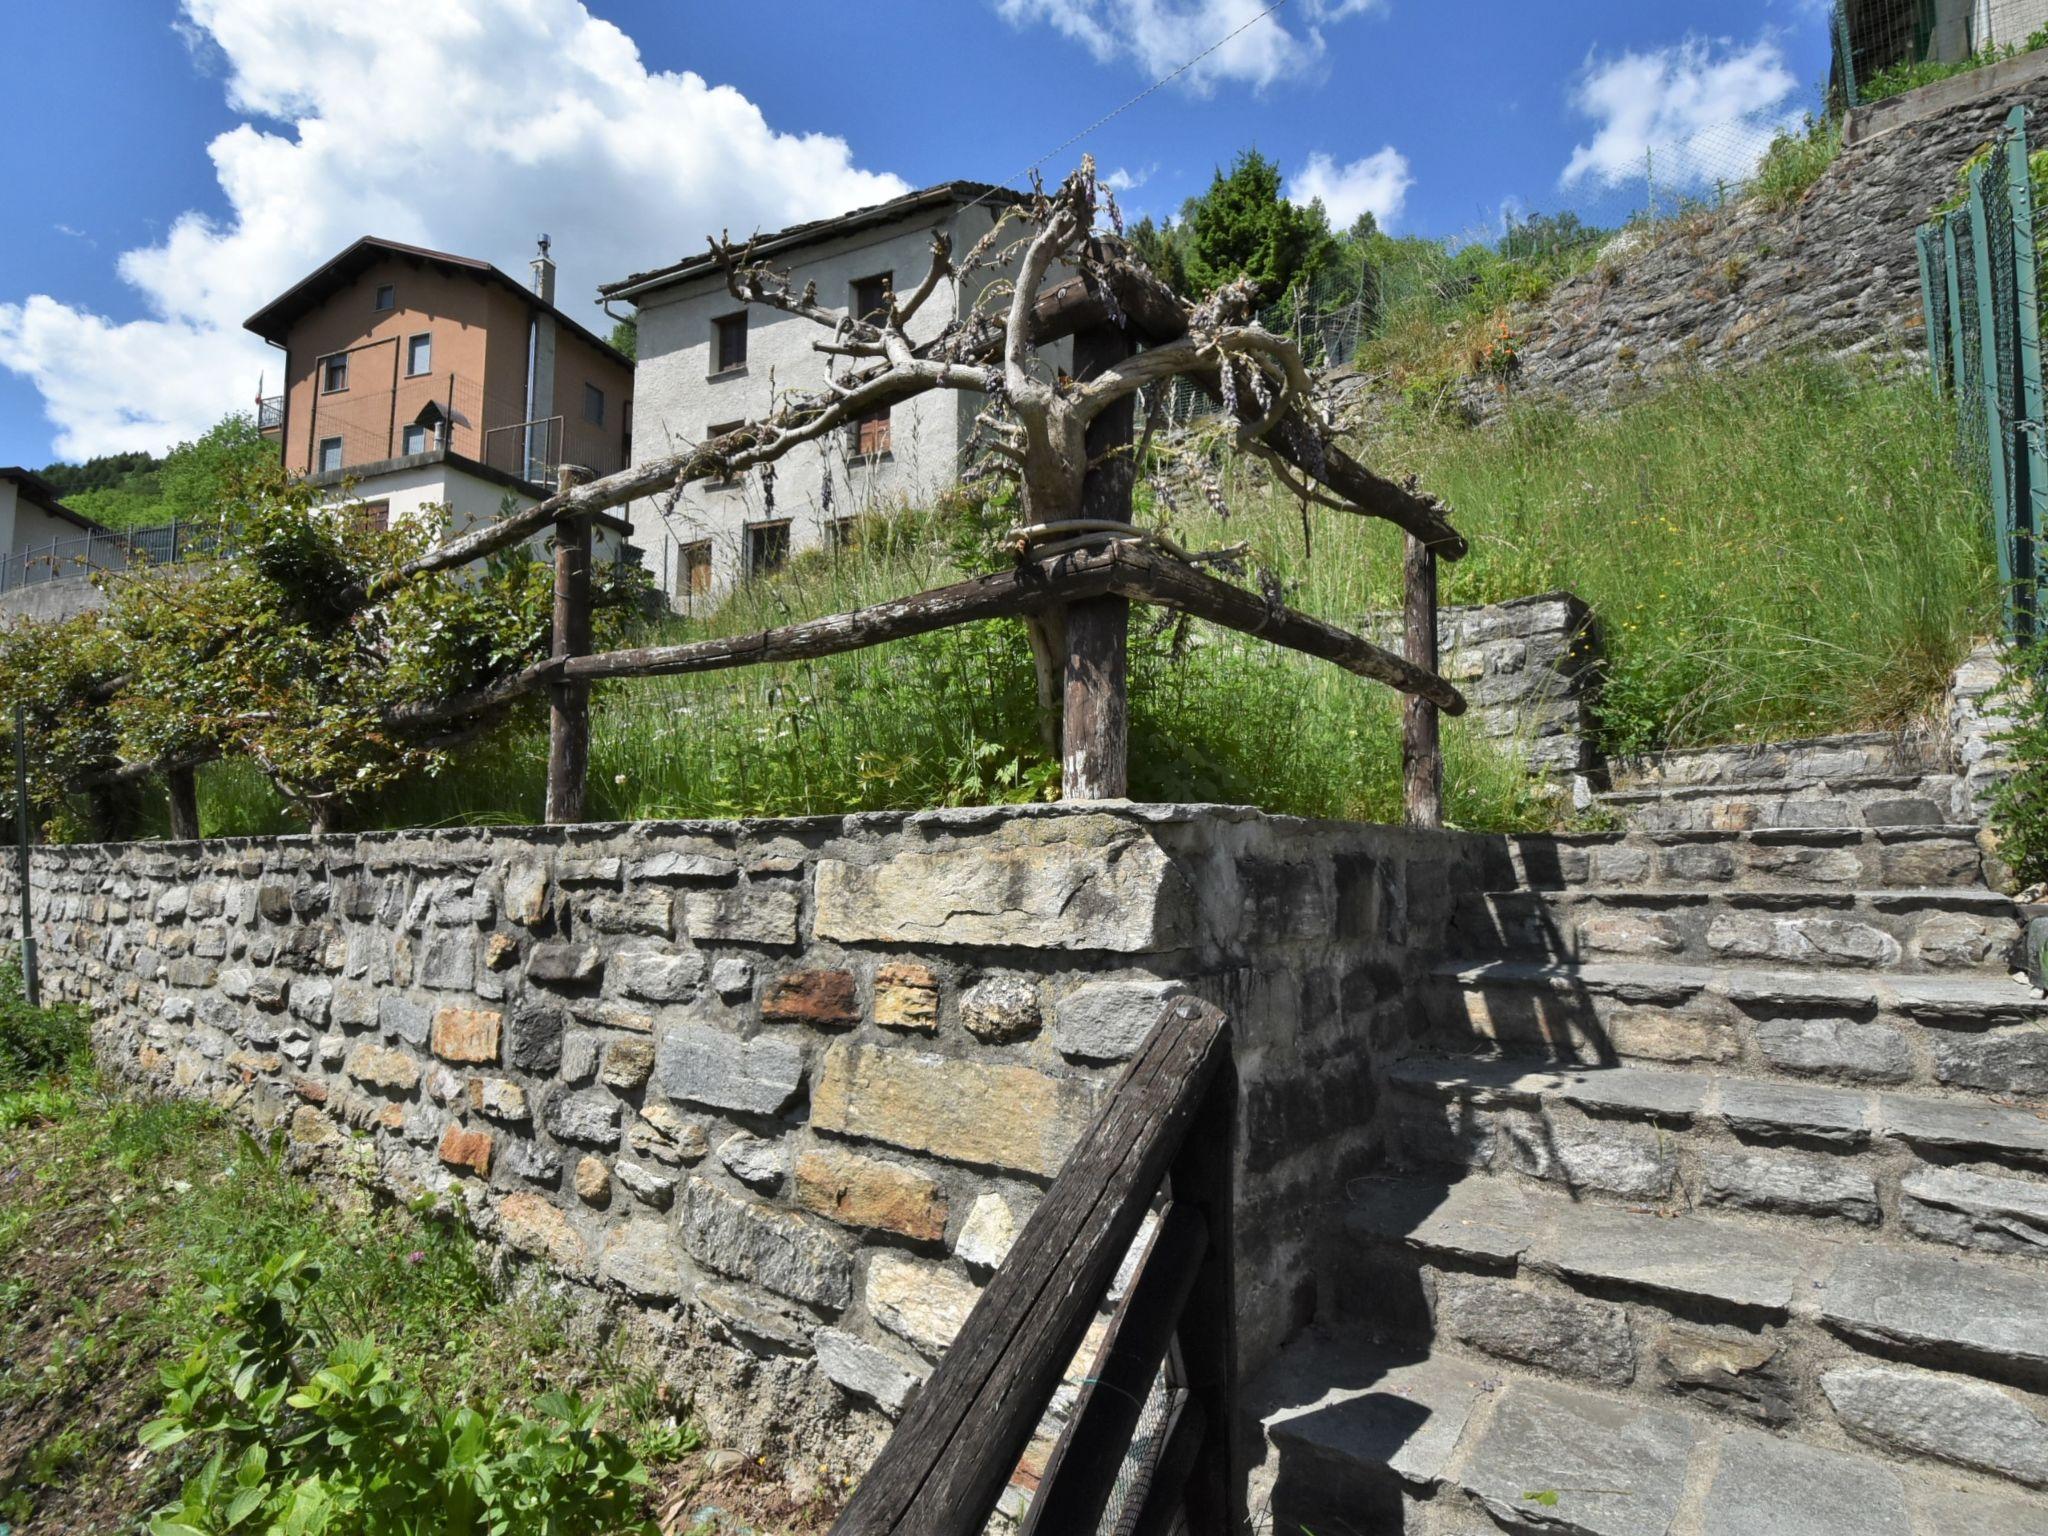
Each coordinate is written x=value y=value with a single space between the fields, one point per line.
x=1157 y=85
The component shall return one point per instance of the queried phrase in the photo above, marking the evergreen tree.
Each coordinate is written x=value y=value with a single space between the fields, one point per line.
x=1243 y=227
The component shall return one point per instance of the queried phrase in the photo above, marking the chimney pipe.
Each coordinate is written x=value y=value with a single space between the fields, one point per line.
x=544 y=274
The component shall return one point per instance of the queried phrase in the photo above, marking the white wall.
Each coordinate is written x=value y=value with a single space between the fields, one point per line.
x=470 y=500
x=677 y=400
x=9 y=496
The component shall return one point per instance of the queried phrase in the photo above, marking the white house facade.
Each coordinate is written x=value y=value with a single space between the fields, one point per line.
x=708 y=363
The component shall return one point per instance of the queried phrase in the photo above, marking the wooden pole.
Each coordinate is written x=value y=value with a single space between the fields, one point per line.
x=1422 y=753
x=569 y=698
x=1096 y=717
x=31 y=981
x=182 y=787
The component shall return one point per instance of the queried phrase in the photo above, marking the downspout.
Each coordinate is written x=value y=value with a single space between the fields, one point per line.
x=532 y=375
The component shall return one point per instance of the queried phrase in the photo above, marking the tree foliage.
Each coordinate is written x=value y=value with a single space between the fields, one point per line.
x=189 y=484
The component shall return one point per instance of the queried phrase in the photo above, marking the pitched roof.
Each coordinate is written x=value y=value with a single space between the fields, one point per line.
x=815 y=231
x=38 y=490
x=274 y=319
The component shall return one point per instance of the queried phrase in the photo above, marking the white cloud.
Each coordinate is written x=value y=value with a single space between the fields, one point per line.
x=468 y=125
x=1377 y=184
x=1688 y=115
x=1124 y=179
x=1162 y=35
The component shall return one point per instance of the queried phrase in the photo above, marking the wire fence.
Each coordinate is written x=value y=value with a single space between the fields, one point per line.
x=1883 y=48
x=1980 y=286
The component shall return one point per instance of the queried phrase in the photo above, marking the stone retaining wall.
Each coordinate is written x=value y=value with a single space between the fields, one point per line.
x=784 y=1091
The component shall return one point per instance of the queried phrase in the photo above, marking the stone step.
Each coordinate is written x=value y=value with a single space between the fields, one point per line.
x=1874 y=800
x=1850 y=858
x=1699 y=1141
x=1979 y=1032
x=1950 y=930
x=1361 y=1437
x=1814 y=759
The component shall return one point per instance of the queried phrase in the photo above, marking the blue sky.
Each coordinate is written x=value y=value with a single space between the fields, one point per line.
x=171 y=164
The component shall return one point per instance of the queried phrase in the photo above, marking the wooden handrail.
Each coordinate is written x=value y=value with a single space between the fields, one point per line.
x=944 y=1468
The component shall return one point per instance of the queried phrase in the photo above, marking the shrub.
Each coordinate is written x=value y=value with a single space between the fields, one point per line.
x=38 y=1043
x=303 y=1433
x=2019 y=806
x=1795 y=161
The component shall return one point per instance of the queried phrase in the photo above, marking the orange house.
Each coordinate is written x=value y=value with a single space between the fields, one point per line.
x=414 y=376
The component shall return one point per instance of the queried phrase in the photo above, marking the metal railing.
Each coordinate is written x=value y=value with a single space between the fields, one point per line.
x=532 y=450
x=80 y=556
x=270 y=413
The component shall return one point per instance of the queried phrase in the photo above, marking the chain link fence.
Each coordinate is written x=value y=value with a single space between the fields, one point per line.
x=1885 y=48
x=1980 y=287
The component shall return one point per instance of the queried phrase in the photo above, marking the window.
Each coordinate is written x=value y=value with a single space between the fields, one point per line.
x=767 y=548
x=712 y=434
x=871 y=433
x=413 y=439
x=626 y=433
x=330 y=454
x=693 y=569
x=729 y=343
x=593 y=405
x=419 y=355
x=334 y=374
x=387 y=297
x=871 y=297
x=371 y=516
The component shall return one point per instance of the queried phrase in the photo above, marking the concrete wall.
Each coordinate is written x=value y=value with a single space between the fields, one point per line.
x=469 y=498
x=51 y=602
x=679 y=398
x=783 y=1090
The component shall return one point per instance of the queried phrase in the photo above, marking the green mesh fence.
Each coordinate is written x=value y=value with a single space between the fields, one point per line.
x=1979 y=274
x=1885 y=48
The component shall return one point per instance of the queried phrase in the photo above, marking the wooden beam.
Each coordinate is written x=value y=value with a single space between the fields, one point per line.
x=1095 y=717
x=945 y=1466
x=569 y=697
x=1422 y=750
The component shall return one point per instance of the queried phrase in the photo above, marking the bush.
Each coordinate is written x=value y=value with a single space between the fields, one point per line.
x=304 y=1433
x=37 y=1044
x=1795 y=161
x=2019 y=806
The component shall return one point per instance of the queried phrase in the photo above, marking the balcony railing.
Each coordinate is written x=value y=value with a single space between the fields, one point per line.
x=270 y=414
x=372 y=423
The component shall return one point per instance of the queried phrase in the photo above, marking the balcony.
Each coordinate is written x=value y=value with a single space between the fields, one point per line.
x=270 y=414
x=367 y=424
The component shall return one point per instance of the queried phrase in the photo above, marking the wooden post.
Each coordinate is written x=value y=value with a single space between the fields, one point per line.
x=182 y=787
x=1422 y=753
x=1096 y=716
x=569 y=699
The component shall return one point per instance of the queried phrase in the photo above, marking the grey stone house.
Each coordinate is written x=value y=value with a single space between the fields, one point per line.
x=707 y=363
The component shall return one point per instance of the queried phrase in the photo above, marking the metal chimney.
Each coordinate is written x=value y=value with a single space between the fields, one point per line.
x=544 y=274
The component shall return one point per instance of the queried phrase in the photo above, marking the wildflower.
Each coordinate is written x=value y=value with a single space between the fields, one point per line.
x=417 y=1256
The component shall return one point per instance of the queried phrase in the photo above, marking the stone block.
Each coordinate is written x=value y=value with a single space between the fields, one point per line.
x=649 y=912
x=627 y=1064
x=683 y=867
x=1616 y=1468
x=1779 y=1112
x=1767 y=1484
x=501 y=952
x=665 y=1136
x=922 y=1303
x=1870 y=1053
x=1005 y=1116
x=906 y=997
x=565 y=965
x=776 y=1250
x=1108 y=1021
x=827 y=999
x=1629 y=933
x=755 y=1161
x=1969 y=1423
x=989 y=1232
x=703 y=1065
x=463 y=1148
x=467 y=1035
x=1794 y=1187
x=657 y=976
x=1763 y=936
x=1573 y=1337
x=1001 y=1008
x=743 y=914
x=589 y=1119
x=501 y=1099
x=593 y=1181
x=526 y=892
x=645 y=1184
x=599 y=870
x=732 y=978
x=381 y=1067
x=1067 y=882
x=1584 y=1153
x=753 y=1319
x=448 y=962
x=640 y=1260
x=531 y=1224
x=1975 y=1210
x=533 y=1038
x=1700 y=1260
x=1932 y=1304
x=2009 y=1061
x=1738 y=1371
x=884 y=1378
x=866 y=1192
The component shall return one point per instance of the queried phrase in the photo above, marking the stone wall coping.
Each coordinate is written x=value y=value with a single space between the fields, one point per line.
x=1879 y=118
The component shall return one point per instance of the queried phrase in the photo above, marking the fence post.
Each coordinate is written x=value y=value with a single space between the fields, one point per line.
x=1997 y=434
x=181 y=786
x=2030 y=453
x=1095 y=720
x=568 y=700
x=1422 y=755
x=30 y=979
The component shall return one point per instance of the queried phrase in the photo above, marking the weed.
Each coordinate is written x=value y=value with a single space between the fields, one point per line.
x=1795 y=161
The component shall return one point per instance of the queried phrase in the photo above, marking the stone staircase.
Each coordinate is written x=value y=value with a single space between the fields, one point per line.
x=1716 y=1190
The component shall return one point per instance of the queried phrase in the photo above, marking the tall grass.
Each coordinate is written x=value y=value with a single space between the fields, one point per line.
x=1791 y=550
